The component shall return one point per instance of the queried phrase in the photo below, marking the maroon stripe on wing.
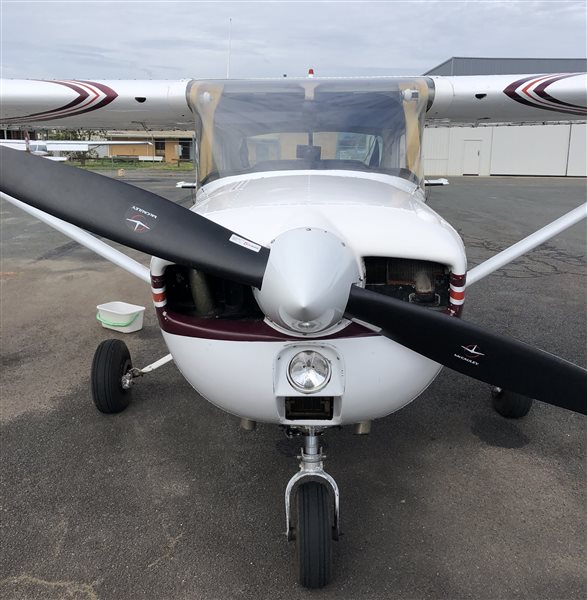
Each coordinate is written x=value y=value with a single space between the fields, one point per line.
x=540 y=90
x=512 y=92
x=66 y=110
x=81 y=96
x=512 y=89
x=110 y=96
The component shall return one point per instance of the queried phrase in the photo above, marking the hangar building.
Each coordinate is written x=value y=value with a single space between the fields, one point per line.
x=555 y=150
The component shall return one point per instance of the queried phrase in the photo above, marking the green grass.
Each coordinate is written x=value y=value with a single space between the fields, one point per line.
x=109 y=164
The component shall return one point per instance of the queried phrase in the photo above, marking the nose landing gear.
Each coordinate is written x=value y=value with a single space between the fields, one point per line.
x=317 y=514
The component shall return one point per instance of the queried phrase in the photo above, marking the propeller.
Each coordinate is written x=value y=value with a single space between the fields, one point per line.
x=131 y=216
x=149 y=223
x=474 y=351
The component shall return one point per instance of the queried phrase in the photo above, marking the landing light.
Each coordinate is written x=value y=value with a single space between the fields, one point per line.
x=309 y=372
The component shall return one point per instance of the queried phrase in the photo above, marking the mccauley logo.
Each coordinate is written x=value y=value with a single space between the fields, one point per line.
x=472 y=353
x=144 y=212
x=140 y=220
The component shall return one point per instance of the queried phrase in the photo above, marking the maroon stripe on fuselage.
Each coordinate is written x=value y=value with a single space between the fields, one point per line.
x=236 y=330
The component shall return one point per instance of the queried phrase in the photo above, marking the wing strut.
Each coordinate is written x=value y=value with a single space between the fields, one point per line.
x=85 y=239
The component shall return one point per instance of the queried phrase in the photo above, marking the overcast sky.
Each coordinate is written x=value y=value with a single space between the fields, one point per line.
x=172 y=40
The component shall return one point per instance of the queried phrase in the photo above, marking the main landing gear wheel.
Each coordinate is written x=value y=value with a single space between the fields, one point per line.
x=313 y=535
x=509 y=404
x=111 y=362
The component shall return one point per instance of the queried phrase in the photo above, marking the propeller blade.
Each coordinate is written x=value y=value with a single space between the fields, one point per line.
x=131 y=216
x=471 y=350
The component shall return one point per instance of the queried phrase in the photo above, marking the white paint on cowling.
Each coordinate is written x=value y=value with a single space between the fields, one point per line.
x=380 y=376
x=307 y=280
x=373 y=216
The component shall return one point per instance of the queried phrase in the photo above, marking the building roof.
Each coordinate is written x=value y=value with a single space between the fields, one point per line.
x=173 y=134
x=463 y=65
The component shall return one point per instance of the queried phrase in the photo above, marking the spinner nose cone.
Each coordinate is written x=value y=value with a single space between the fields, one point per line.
x=307 y=280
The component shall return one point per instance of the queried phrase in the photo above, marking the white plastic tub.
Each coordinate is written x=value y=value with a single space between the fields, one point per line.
x=121 y=316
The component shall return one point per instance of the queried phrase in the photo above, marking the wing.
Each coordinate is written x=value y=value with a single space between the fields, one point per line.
x=140 y=104
x=128 y=104
x=508 y=99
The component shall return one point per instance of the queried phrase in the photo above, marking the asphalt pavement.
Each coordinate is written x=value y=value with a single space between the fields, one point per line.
x=171 y=500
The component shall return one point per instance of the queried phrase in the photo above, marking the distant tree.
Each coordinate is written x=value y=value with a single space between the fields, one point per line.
x=77 y=134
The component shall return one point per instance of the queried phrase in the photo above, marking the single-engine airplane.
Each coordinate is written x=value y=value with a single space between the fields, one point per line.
x=310 y=286
x=44 y=148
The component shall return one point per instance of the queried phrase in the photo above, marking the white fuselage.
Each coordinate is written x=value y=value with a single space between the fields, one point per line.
x=374 y=215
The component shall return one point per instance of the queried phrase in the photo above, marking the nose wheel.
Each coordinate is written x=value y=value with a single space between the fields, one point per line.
x=313 y=533
x=315 y=522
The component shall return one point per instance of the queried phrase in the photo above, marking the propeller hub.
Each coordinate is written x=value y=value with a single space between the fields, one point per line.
x=307 y=280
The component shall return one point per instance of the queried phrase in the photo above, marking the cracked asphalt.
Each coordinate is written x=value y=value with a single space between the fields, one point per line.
x=171 y=500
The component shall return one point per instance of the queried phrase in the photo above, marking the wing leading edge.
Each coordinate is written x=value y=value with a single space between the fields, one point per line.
x=163 y=104
x=509 y=99
x=124 y=104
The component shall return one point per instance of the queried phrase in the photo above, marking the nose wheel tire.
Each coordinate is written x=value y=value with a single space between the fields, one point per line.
x=509 y=404
x=313 y=535
x=111 y=362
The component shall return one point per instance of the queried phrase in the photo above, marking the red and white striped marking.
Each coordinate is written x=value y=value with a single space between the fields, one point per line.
x=158 y=291
x=456 y=297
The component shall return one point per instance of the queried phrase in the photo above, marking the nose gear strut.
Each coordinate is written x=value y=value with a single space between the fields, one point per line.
x=317 y=516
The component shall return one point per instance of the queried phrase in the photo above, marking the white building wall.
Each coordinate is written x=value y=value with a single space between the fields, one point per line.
x=577 y=163
x=435 y=149
x=530 y=150
x=515 y=150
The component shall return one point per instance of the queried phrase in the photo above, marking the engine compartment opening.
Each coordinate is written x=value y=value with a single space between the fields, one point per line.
x=196 y=294
x=421 y=282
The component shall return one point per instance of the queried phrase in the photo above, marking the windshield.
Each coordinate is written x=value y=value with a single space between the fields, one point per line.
x=267 y=125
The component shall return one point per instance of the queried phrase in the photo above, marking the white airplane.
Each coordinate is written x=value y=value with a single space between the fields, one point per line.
x=45 y=147
x=310 y=286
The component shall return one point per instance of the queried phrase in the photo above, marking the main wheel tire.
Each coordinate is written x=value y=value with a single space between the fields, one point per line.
x=111 y=362
x=313 y=535
x=509 y=404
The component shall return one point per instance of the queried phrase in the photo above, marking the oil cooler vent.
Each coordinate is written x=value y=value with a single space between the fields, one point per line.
x=319 y=408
